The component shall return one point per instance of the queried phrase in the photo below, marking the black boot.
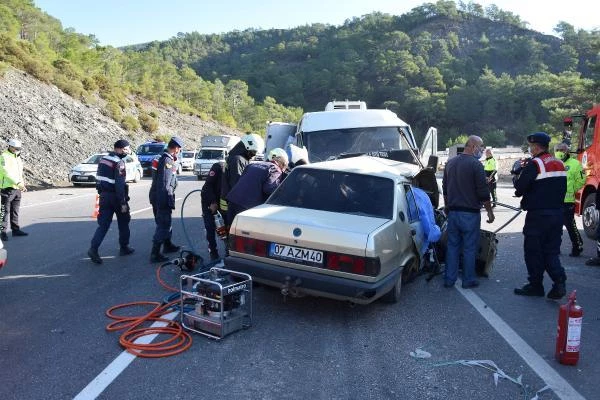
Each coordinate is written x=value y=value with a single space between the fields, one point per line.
x=126 y=250
x=593 y=262
x=169 y=247
x=156 y=255
x=213 y=254
x=530 y=290
x=94 y=256
x=558 y=291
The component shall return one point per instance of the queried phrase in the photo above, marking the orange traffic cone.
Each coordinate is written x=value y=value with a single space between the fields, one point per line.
x=96 y=207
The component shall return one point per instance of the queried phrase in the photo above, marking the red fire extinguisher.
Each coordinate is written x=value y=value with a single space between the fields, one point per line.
x=568 y=336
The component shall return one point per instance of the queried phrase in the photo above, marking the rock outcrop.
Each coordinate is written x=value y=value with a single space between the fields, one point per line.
x=58 y=131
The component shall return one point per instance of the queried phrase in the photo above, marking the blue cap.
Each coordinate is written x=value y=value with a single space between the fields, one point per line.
x=121 y=144
x=539 y=137
x=175 y=142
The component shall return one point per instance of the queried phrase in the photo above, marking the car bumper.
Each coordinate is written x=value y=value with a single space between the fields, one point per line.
x=314 y=284
x=82 y=179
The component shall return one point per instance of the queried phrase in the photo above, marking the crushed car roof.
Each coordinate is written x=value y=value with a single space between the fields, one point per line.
x=370 y=166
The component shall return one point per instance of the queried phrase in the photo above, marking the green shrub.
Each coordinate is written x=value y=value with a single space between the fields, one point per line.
x=67 y=69
x=89 y=84
x=129 y=123
x=70 y=87
x=113 y=111
x=164 y=137
x=148 y=123
x=38 y=69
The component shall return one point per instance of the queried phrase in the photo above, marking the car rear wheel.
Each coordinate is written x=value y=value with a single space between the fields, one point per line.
x=393 y=296
x=409 y=272
x=589 y=216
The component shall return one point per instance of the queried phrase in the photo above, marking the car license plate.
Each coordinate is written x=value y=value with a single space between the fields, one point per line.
x=305 y=256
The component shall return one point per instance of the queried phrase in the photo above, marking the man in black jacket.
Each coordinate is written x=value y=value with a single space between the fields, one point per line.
x=210 y=194
x=162 y=198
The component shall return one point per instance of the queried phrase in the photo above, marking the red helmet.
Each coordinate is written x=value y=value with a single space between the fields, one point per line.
x=568 y=121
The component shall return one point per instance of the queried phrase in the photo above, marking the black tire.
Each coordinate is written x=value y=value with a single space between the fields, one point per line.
x=393 y=296
x=409 y=272
x=589 y=216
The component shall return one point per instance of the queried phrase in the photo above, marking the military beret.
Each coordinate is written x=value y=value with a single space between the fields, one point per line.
x=121 y=144
x=176 y=142
x=539 y=137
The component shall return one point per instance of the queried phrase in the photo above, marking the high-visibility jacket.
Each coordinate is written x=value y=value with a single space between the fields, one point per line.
x=11 y=170
x=575 y=178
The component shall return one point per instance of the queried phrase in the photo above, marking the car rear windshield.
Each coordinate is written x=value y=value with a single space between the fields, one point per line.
x=145 y=149
x=336 y=191
x=188 y=154
x=211 y=155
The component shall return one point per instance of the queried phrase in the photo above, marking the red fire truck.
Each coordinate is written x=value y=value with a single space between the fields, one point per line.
x=588 y=153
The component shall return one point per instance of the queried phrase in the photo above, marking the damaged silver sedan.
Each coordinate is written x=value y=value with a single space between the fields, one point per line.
x=346 y=229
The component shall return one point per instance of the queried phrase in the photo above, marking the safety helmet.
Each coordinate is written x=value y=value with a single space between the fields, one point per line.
x=253 y=142
x=278 y=152
x=16 y=143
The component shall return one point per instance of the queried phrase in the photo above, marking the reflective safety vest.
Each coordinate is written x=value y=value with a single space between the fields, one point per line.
x=575 y=178
x=11 y=170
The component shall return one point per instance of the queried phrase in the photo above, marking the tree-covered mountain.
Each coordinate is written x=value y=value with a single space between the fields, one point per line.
x=462 y=68
x=122 y=81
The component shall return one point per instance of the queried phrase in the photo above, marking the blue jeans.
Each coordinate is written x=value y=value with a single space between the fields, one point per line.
x=463 y=237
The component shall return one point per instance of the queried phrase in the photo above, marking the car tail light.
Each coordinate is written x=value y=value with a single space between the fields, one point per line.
x=353 y=264
x=248 y=245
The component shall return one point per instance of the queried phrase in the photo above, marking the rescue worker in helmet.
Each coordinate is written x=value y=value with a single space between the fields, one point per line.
x=162 y=198
x=12 y=183
x=114 y=197
x=237 y=160
x=257 y=183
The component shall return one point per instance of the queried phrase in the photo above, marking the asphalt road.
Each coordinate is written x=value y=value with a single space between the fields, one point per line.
x=53 y=342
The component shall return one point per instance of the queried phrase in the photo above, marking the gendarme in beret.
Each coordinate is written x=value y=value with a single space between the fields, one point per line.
x=121 y=144
x=539 y=137
x=175 y=142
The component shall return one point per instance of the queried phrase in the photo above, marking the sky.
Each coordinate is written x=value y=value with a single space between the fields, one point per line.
x=123 y=22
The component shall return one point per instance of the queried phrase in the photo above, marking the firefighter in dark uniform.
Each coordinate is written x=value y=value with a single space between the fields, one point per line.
x=114 y=195
x=543 y=184
x=211 y=190
x=162 y=198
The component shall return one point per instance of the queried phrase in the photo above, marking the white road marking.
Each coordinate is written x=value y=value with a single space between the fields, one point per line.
x=58 y=201
x=114 y=369
x=559 y=385
x=149 y=208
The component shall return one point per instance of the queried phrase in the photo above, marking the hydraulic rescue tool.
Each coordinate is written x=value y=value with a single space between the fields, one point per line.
x=568 y=335
x=216 y=303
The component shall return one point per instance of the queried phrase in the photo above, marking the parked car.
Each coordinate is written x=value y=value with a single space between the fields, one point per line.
x=346 y=229
x=187 y=160
x=85 y=172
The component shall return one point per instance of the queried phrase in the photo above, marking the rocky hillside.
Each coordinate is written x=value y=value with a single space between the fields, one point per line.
x=58 y=131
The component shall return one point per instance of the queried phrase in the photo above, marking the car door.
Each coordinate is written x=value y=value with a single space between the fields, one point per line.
x=412 y=216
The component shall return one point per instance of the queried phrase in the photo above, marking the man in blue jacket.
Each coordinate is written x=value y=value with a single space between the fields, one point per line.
x=162 y=198
x=257 y=183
